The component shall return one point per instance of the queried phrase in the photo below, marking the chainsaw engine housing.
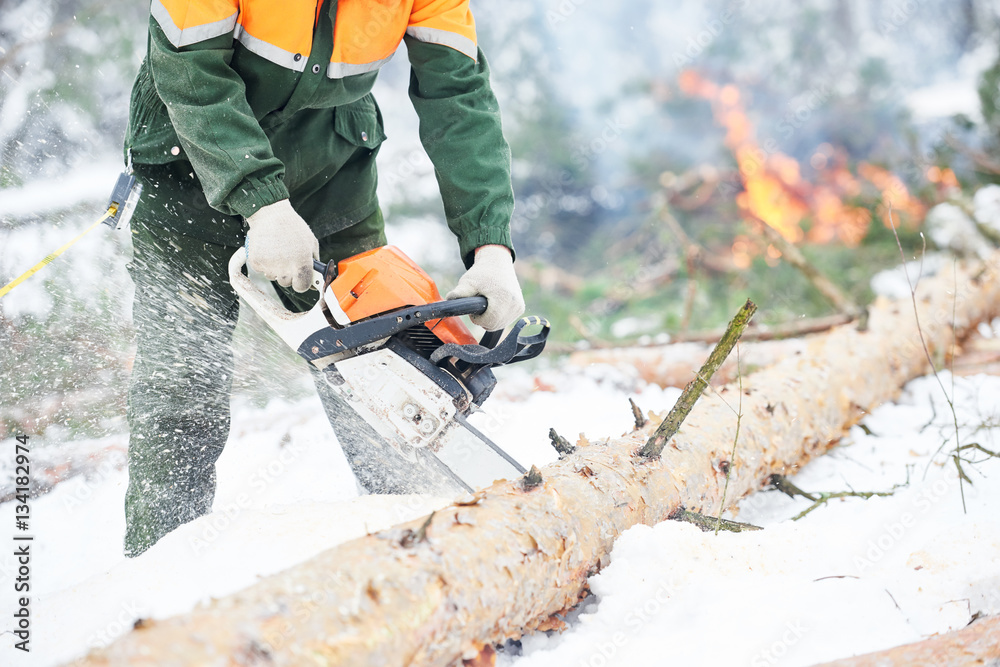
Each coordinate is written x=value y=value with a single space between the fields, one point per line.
x=384 y=280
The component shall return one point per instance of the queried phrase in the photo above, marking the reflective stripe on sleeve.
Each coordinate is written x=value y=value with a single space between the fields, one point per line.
x=187 y=36
x=445 y=38
x=271 y=52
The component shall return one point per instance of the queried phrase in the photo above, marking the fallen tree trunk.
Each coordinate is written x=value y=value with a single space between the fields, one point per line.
x=976 y=645
x=675 y=365
x=503 y=562
x=789 y=331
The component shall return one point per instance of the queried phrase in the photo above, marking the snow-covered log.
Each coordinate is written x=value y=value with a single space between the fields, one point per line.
x=501 y=563
x=976 y=645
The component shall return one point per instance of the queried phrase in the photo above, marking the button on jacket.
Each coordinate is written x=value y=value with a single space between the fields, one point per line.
x=271 y=99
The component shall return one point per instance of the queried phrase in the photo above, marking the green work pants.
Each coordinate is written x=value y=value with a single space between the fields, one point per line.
x=184 y=313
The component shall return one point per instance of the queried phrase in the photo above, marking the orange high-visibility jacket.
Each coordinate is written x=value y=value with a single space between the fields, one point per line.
x=266 y=98
x=366 y=35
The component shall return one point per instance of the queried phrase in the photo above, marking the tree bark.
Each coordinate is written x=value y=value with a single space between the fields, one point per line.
x=503 y=562
x=976 y=645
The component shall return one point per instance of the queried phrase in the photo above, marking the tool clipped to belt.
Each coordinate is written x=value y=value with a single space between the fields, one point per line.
x=121 y=205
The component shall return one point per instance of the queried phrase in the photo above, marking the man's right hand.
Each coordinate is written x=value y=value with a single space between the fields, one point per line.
x=281 y=246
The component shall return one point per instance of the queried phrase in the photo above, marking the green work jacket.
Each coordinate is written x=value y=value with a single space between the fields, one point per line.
x=259 y=123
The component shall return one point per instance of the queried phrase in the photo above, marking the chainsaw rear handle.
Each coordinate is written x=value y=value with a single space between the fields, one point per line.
x=292 y=327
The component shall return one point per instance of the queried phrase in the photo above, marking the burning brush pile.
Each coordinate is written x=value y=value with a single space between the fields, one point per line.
x=802 y=237
x=772 y=189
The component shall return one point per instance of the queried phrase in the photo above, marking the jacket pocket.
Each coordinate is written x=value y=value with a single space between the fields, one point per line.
x=360 y=123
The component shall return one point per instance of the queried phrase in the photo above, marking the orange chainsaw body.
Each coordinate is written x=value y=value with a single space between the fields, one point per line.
x=379 y=281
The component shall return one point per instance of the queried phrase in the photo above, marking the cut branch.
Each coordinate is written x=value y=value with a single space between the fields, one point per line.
x=507 y=564
x=820 y=498
x=712 y=523
x=669 y=427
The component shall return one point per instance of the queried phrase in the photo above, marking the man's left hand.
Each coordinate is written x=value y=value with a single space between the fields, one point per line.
x=492 y=276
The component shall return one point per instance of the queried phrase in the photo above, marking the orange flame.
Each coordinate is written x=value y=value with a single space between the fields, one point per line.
x=774 y=190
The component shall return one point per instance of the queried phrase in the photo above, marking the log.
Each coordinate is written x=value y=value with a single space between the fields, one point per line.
x=676 y=365
x=504 y=561
x=782 y=333
x=975 y=645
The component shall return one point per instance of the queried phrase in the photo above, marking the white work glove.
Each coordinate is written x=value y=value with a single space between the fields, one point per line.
x=492 y=276
x=281 y=246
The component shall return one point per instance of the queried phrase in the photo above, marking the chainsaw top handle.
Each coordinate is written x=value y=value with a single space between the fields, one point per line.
x=313 y=338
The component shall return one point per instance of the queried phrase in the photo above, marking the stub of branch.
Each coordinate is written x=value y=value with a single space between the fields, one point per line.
x=411 y=537
x=692 y=392
x=640 y=420
x=531 y=479
x=781 y=483
x=563 y=446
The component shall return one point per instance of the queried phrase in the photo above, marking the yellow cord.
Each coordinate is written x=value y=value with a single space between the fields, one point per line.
x=49 y=258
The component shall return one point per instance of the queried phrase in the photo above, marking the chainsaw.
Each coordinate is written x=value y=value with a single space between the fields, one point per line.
x=398 y=371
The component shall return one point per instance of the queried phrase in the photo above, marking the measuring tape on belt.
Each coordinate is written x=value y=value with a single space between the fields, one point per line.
x=120 y=208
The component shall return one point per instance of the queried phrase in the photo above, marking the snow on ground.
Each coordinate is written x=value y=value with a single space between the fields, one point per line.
x=856 y=575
